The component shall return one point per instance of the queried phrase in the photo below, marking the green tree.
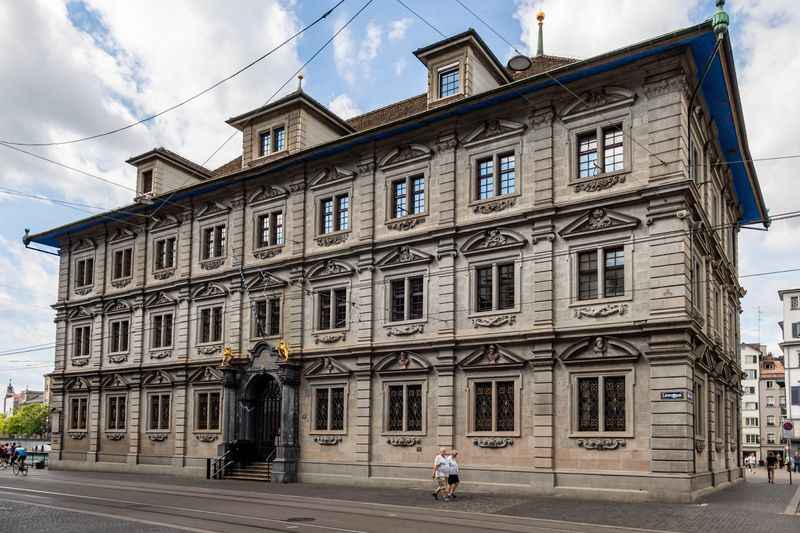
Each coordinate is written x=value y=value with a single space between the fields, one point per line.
x=28 y=420
x=2 y=424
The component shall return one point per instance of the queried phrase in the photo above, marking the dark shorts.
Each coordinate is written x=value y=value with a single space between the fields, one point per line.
x=452 y=478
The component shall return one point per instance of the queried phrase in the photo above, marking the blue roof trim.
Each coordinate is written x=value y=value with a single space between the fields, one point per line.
x=714 y=90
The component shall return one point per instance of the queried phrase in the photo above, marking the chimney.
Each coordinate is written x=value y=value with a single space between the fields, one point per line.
x=540 y=47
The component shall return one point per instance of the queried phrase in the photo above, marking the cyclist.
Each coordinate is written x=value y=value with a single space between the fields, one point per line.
x=4 y=454
x=11 y=455
x=20 y=454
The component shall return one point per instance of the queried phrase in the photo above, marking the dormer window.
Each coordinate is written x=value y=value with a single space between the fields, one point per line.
x=449 y=81
x=271 y=141
x=147 y=181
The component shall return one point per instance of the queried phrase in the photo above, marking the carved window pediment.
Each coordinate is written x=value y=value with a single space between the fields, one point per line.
x=491 y=356
x=598 y=220
x=403 y=256
x=206 y=374
x=402 y=362
x=267 y=193
x=493 y=130
x=264 y=281
x=116 y=381
x=79 y=313
x=329 y=269
x=598 y=101
x=211 y=209
x=324 y=368
x=157 y=378
x=121 y=234
x=406 y=154
x=209 y=290
x=331 y=176
x=492 y=240
x=160 y=299
x=117 y=307
x=78 y=384
x=84 y=245
x=600 y=349
x=165 y=222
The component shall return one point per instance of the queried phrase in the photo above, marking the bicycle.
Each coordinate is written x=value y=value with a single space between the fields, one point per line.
x=19 y=468
x=4 y=463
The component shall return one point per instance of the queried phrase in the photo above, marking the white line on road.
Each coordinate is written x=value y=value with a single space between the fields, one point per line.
x=794 y=505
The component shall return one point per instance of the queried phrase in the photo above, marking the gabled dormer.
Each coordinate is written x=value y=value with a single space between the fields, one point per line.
x=293 y=123
x=160 y=170
x=460 y=66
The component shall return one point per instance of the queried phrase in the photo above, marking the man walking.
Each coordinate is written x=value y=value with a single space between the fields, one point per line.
x=797 y=462
x=772 y=462
x=441 y=470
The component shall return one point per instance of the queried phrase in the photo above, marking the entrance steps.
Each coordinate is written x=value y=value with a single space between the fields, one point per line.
x=250 y=472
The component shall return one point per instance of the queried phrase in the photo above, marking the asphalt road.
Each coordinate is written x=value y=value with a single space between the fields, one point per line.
x=76 y=503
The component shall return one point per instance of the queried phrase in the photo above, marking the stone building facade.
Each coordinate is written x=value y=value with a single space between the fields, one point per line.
x=772 y=404
x=751 y=355
x=537 y=280
x=790 y=346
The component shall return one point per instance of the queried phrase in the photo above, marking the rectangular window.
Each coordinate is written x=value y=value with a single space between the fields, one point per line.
x=769 y=386
x=490 y=183
x=404 y=407
x=207 y=409
x=587 y=155
x=335 y=214
x=211 y=324
x=343 y=208
x=265 y=143
x=495 y=287
x=614 y=272
x=449 y=82
x=795 y=394
x=795 y=303
x=213 y=244
x=697 y=285
x=267 y=317
x=165 y=253
x=119 y=336
x=694 y=163
x=405 y=204
x=771 y=420
x=161 y=331
x=508 y=176
x=699 y=409
x=78 y=413
x=601 y=404
x=84 y=272
x=115 y=413
x=718 y=415
x=332 y=306
x=278 y=139
x=269 y=229
x=159 y=412
x=484 y=288
x=485 y=178
x=770 y=401
x=147 y=181
x=81 y=343
x=123 y=264
x=326 y=215
x=796 y=329
x=329 y=409
x=613 y=149
x=494 y=406
x=406 y=299
x=587 y=275
x=770 y=438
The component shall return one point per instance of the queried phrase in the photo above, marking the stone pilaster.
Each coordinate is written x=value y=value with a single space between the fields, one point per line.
x=65 y=272
x=62 y=349
x=93 y=425
x=363 y=420
x=139 y=333
x=363 y=296
x=295 y=304
x=230 y=383
x=446 y=293
x=297 y=217
x=446 y=178
x=182 y=326
x=542 y=125
x=284 y=468
x=185 y=248
x=366 y=197
x=135 y=416
x=543 y=395
x=182 y=426
x=445 y=400
x=666 y=94
x=543 y=300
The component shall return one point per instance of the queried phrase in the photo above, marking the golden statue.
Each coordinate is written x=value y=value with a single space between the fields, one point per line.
x=227 y=355
x=283 y=350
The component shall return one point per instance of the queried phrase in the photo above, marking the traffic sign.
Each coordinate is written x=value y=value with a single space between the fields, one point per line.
x=788 y=429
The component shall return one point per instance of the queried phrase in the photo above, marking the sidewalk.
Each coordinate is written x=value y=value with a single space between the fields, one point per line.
x=750 y=506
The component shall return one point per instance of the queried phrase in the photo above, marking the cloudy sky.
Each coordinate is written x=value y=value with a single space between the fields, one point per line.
x=71 y=69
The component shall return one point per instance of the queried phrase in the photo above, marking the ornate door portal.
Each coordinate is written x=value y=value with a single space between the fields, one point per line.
x=268 y=419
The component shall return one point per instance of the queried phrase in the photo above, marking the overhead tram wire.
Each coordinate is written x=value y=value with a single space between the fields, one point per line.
x=431 y=26
x=186 y=100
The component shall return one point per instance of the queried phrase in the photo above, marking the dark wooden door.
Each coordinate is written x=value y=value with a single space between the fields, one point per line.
x=268 y=419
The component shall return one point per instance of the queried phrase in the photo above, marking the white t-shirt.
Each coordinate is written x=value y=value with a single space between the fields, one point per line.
x=442 y=465
x=453 y=464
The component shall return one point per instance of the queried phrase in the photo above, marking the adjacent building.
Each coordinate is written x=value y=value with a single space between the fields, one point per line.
x=772 y=399
x=751 y=355
x=14 y=400
x=547 y=283
x=790 y=345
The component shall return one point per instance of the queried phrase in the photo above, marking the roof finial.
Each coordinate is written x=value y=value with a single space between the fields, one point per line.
x=720 y=20
x=299 y=82
x=540 y=47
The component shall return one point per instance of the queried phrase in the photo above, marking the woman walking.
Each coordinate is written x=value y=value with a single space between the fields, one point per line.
x=452 y=478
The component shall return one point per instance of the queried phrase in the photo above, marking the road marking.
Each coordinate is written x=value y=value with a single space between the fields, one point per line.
x=185 y=509
x=794 y=504
x=117 y=517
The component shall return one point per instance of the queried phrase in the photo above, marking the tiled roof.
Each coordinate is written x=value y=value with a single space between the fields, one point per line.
x=390 y=113
x=541 y=64
x=176 y=158
x=228 y=168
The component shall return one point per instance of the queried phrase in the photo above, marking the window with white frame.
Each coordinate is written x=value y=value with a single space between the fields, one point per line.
x=608 y=155
x=147 y=181
x=602 y=402
x=120 y=335
x=770 y=401
x=751 y=406
x=406 y=298
x=267 y=317
x=495 y=287
x=752 y=439
x=796 y=329
x=161 y=330
x=449 y=81
x=494 y=405
x=116 y=412
x=81 y=341
x=78 y=413
x=332 y=308
x=751 y=421
x=770 y=438
x=164 y=255
x=334 y=213
x=770 y=384
x=771 y=420
x=207 y=410
x=408 y=196
x=495 y=175
x=158 y=411
x=601 y=269
x=795 y=394
x=329 y=407
x=84 y=272
x=271 y=140
x=269 y=229
x=210 y=324
x=404 y=407
x=213 y=242
x=122 y=266
x=795 y=303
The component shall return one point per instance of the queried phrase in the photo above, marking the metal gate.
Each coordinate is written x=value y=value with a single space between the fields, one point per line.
x=267 y=419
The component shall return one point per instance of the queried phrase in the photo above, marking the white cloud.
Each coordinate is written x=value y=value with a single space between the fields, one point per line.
x=354 y=61
x=398 y=28
x=371 y=43
x=344 y=106
x=400 y=67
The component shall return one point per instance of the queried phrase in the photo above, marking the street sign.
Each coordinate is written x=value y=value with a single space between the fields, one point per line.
x=673 y=395
x=788 y=429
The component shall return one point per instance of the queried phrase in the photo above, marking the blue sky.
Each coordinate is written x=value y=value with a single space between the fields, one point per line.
x=93 y=65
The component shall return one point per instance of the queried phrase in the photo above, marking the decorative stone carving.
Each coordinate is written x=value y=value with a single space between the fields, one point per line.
x=115 y=435
x=602 y=311
x=158 y=437
x=403 y=256
x=405 y=154
x=327 y=440
x=403 y=442
x=542 y=118
x=598 y=220
x=599 y=184
x=494 y=321
x=699 y=445
x=329 y=268
x=118 y=358
x=329 y=339
x=719 y=447
x=82 y=361
x=404 y=224
x=599 y=346
x=160 y=299
x=83 y=291
x=601 y=444
x=598 y=100
x=403 y=331
x=297 y=187
x=212 y=264
x=332 y=240
x=119 y=283
x=365 y=167
x=210 y=349
x=492 y=239
x=164 y=274
x=493 y=442
x=732 y=446
x=494 y=205
x=206 y=437
x=492 y=129
x=266 y=253
x=162 y=354
x=77 y=435
x=667 y=85
x=267 y=192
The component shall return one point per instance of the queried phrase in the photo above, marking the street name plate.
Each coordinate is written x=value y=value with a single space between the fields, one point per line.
x=673 y=395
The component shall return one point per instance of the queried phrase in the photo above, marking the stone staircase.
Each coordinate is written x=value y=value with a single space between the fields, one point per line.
x=250 y=472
